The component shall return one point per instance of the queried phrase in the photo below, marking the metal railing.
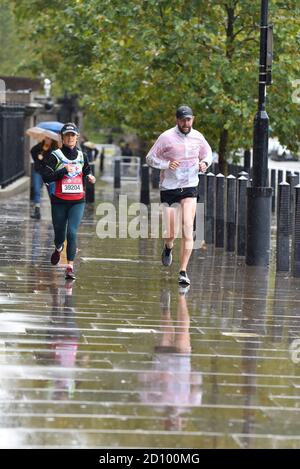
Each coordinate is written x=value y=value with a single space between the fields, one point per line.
x=126 y=171
x=12 y=164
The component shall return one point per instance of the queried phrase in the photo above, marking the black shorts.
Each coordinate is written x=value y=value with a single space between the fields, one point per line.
x=174 y=196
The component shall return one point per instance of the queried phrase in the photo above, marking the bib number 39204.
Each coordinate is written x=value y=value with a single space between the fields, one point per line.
x=72 y=188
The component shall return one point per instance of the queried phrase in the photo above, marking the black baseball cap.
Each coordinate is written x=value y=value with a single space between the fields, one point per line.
x=69 y=128
x=184 y=112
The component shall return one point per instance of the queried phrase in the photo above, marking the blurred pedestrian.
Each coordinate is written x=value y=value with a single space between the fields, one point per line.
x=39 y=153
x=126 y=151
x=180 y=153
x=67 y=167
x=90 y=149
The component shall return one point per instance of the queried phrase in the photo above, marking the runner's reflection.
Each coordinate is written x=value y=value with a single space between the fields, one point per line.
x=171 y=382
x=63 y=336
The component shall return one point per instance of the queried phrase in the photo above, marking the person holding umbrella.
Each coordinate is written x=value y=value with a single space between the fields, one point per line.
x=39 y=152
x=66 y=168
x=48 y=134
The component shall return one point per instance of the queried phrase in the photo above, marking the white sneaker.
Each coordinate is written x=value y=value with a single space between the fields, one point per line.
x=183 y=278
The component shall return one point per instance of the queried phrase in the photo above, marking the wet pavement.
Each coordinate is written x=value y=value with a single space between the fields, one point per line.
x=123 y=358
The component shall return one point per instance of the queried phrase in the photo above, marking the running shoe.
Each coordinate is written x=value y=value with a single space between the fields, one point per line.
x=183 y=278
x=69 y=273
x=55 y=257
x=166 y=256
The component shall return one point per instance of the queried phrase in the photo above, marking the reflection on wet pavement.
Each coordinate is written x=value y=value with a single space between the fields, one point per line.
x=171 y=385
x=123 y=358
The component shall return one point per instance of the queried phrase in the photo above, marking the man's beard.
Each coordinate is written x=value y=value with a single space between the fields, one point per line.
x=184 y=132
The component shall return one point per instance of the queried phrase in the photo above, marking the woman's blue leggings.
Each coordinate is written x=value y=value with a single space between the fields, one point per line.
x=66 y=219
x=37 y=186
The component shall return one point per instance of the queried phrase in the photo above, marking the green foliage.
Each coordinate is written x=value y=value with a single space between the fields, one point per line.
x=134 y=62
x=12 y=51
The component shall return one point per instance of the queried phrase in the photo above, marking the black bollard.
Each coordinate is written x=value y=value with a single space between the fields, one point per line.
x=273 y=185
x=243 y=174
x=217 y=168
x=201 y=188
x=296 y=235
x=258 y=225
x=155 y=176
x=210 y=209
x=214 y=168
x=145 y=187
x=231 y=213
x=220 y=185
x=282 y=235
x=292 y=181
x=241 y=215
x=247 y=176
x=117 y=173
x=287 y=175
x=90 y=188
x=201 y=194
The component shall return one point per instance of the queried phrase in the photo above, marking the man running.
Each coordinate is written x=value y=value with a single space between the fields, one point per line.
x=180 y=153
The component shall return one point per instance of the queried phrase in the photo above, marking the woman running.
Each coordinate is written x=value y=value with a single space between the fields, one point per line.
x=65 y=170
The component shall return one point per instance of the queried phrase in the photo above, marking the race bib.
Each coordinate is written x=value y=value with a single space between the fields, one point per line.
x=72 y=188
x=72 y=185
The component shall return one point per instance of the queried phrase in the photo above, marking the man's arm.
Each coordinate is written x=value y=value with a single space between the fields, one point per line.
x=155 y=156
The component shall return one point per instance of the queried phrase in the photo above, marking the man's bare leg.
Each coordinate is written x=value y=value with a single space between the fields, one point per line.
x=169 y=226
x=188 y=206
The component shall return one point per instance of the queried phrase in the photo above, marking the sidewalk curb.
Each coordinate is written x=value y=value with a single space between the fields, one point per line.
x=14 y=188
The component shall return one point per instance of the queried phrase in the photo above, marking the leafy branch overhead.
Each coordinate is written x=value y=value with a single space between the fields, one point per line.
x=133 y=62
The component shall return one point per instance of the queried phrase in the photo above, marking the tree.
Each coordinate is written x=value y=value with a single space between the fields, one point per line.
x=134 y=62
x=12 y=48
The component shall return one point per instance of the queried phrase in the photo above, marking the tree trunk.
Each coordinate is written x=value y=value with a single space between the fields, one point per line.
x=222 y=151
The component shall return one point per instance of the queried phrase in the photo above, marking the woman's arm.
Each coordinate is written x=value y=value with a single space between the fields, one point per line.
x=48 y=172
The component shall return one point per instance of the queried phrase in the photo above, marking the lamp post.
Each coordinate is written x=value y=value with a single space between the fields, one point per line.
x=259 y=195
x=47 y=87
